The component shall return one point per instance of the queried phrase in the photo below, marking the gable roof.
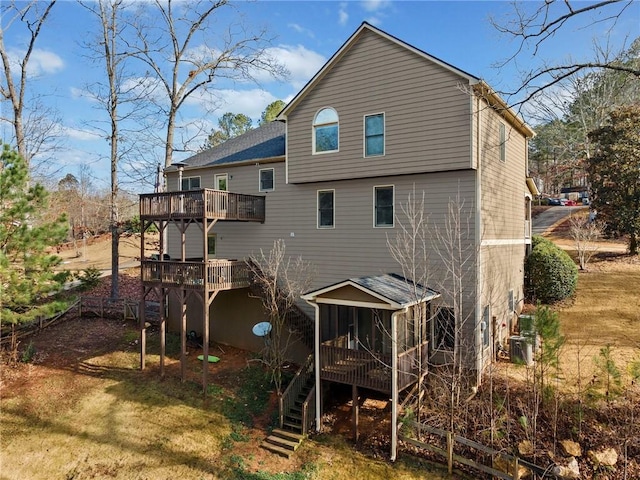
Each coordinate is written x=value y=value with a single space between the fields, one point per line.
x=389 y=288
x=347 y=46
x=479 y=86
x=264 y=142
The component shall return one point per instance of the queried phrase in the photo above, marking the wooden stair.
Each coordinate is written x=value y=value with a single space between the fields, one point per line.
x=283 y=442
x=286 y=440
x=293 y=417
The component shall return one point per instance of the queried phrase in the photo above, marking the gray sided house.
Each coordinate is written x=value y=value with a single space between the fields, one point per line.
x=383 y=126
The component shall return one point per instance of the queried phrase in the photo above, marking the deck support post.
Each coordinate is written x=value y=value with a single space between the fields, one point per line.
x=163 y=328
x=355 y=411
x=207 y=300
x=183 y=336
x=143 y=335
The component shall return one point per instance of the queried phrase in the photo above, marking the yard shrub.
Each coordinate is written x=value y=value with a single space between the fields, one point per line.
x=550 y=273
x=89 y=278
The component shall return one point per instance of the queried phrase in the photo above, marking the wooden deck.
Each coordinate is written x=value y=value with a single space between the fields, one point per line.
x=204 y=203
x=219 y=274
x=370 y=370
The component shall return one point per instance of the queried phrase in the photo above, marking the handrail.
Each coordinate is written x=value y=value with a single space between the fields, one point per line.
x=309 y=411
x=203 y=203
x=295 y=387
x=220 y=274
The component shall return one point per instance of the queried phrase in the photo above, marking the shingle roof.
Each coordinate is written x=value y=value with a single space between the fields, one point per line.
x=396 y=288
x=392 y=288
x=266 y=141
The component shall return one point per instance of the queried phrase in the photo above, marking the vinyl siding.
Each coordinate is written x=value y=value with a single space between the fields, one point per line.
x=427 y=115
x=353 y=247
x=503 y=184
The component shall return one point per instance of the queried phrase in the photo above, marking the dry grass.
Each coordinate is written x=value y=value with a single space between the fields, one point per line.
x=86 y=411
x=606 y=309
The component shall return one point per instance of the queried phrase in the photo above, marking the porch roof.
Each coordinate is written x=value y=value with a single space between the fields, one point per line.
x=390 y=291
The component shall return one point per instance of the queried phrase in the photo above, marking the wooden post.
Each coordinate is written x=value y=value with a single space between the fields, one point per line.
x=450 y=452
x=163 y=327
x=355 y=410
x=516 y=468
x=183 y=336
x=143 y=335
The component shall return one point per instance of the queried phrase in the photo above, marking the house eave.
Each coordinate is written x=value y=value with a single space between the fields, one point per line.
x=483 y=90
x=347 y=46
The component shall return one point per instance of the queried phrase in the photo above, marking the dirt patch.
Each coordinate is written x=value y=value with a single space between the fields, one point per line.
x=96 y=253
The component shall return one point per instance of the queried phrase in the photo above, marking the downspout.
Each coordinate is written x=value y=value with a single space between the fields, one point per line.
x=479 y=286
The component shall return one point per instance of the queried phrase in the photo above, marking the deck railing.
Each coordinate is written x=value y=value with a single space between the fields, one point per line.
x=371 y=370
x=204 y=203
x=220 y=274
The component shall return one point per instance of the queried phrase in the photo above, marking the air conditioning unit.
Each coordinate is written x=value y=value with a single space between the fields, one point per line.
x=520 y=350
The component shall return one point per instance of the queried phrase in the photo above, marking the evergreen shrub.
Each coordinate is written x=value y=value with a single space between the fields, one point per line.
x=550 y=273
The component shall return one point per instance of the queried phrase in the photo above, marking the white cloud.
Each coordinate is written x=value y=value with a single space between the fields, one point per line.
x=81 y=134
x=374 y=5
x=40 y=62
x=301 y=29
x=301 y=63
x=251 y=102
x=343 y=16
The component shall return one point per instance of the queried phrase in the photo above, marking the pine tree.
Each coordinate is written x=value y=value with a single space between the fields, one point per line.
x=27 y=270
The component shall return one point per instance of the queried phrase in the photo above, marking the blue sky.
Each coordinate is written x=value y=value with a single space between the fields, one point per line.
x=306 y=35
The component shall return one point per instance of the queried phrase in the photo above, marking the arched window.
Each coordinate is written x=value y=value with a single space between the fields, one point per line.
x=325 y=131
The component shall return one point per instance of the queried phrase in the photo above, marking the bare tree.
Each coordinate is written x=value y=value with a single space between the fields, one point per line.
x=585 y=233
x=439 y=255
x=281 y=280
x=30 y=130
x=181 y=69
x=112 y=97
x=456 y=250
x=532 y=24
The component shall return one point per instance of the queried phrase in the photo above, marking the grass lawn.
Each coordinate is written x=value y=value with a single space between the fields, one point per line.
x=84 y=410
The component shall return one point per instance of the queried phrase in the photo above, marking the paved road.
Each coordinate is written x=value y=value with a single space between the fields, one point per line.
x=551 y=216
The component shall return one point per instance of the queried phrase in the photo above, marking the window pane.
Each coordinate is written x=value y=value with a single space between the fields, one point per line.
x=266 y=179
x=375 y=145
x=503 y=143
x=195 y=183
x=444 y=329
x=374 y=125
x=326 y=138
x=374 y=135
x=211 y=244
x=384 y=206
x=326 y=115
x=325 y=209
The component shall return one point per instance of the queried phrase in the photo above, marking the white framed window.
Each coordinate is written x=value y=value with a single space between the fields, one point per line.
x=512 y=301
x=374 y=135
x=383 y=200
x=326 y=131
x=211 y=245
x=190 y=183
x=444 y=329
x=221 y=181
x=326 y=208
x=503 y=142
x=267 y=179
